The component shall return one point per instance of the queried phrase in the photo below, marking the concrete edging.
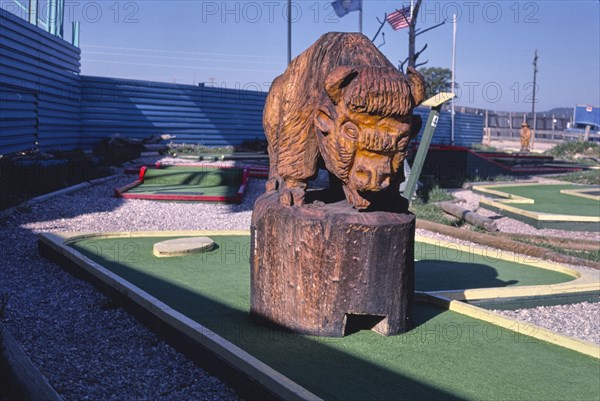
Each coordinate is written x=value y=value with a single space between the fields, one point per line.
x=585 y=281
x=581 y=193
x=537 y=219
x=517 y=326
x=281 y=385
x=271 y=379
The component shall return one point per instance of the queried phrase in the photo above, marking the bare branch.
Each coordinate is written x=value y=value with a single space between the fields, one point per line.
x=402 y=64
x=381 y=24
x=417 y=54
x=382 y=43
x=421 y=64
x=419 y=32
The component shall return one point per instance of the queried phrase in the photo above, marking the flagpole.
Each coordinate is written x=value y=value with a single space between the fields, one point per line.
x=453 y=76
x=360 y=19
x=289 y=21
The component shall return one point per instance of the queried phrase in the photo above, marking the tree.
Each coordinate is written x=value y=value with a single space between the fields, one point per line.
x=437 y=79
x=413 y=32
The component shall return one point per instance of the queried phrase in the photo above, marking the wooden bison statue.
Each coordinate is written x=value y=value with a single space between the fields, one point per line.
x=343 y=103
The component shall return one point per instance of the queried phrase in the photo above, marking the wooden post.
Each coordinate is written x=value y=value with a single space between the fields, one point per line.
x=328 y=269
x=487 y=133
x=586 y=137
x=435 y=103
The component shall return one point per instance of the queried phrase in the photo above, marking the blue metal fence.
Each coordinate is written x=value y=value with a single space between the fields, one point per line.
x=45 y=101
x=468 y=128
x=39 y=88
x=18 y=120
x=194 y=114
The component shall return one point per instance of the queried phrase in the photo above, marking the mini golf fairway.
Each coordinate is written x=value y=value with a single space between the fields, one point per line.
x=562 y=206
x=183 y=183
x=448 y=355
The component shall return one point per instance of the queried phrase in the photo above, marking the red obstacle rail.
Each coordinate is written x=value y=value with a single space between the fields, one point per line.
x=255 y=171
x=488 y=157
x=237 y=198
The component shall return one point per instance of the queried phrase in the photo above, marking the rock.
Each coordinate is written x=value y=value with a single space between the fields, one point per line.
x=182 y=246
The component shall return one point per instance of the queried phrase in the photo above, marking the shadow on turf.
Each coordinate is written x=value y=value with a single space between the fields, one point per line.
x=438 y=275
x=300 y=357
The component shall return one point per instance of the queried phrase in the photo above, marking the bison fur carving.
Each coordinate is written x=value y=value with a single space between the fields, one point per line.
x=343 y=103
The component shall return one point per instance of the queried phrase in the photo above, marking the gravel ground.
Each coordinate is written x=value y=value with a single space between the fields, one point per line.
x=580 y=320
x=508 y=225
x=87 y=346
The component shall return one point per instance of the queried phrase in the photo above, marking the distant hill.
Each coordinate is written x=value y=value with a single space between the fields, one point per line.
x=558 y=112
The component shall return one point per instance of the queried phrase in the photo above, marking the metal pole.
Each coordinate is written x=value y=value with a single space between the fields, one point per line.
x=360 y=19
x=453 y=77
x=60 y=18
x=33 y=11
x=289 y=21
x=75 y=33
x=486 y=129
x=436 y=103
x=417 y=166
x=535 y=70
x=52 y=17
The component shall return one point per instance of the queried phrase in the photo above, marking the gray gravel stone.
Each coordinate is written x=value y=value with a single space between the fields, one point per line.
x=89 y=347
x=581 y=320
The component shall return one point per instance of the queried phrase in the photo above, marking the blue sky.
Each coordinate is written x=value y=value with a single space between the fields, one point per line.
x=244 y=43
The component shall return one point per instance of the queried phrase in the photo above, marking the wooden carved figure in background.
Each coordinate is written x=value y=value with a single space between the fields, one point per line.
x=525 y=137
x=343 y=103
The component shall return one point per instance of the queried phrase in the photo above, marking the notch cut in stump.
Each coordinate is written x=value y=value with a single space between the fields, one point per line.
x=321 y=269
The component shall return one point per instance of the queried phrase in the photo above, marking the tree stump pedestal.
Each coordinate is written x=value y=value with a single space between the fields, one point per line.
x=329 y=270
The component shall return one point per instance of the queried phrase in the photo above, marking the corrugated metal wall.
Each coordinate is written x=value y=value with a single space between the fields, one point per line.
x=39 y=88
x=18 y=120
x=45 y=101
x=194 y=114
x=468 y=128
x=210 y=116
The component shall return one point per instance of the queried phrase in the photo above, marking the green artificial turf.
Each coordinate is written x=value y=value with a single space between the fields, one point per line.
x=447 y=356
x=548 y=199
x=190 y=181
x=446 y=268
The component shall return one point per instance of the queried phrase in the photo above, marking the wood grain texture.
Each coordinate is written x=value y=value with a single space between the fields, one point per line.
x=315 y=265
x=342 y=104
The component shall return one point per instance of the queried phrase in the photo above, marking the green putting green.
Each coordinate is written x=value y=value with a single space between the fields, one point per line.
x=175 y=180
x=447 y=356
x=549 y=199
x=448 y=268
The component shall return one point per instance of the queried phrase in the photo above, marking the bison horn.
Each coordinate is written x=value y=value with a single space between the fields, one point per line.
x=417 y=85
x=337 y=80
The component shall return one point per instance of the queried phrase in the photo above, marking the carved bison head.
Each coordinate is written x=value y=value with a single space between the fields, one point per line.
x=364 y=126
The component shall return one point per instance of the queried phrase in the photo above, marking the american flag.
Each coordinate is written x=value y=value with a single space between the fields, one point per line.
x=399 y=19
